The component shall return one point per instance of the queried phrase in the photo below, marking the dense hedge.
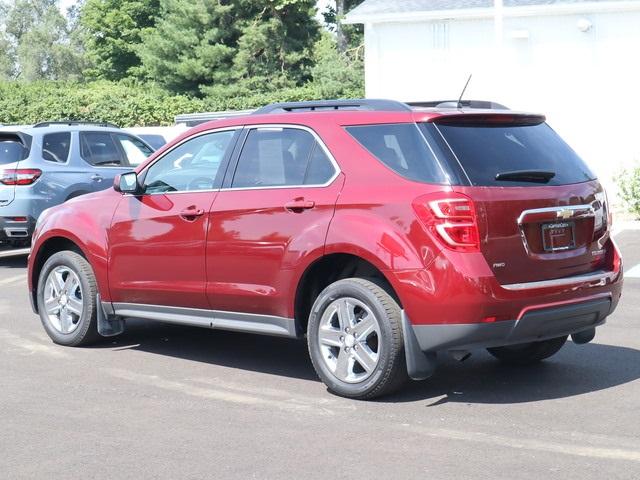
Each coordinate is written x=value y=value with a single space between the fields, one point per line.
x=127 y=103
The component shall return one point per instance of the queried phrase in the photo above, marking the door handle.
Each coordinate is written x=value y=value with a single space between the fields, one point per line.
x=191 y=213
x=299 y=205
x=97 y=178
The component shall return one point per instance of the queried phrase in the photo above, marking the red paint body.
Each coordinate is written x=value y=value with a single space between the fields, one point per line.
x=247 y=253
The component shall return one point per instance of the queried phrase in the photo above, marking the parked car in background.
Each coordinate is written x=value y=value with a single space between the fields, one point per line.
x=380 y=233
x=45 y=164
x=157 y=136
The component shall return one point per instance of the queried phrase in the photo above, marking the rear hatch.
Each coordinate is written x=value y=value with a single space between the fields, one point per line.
x=14 y=147
x=541 y=213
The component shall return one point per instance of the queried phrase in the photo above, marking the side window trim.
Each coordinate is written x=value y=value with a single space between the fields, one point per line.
x=221 y=171
x=236 y=157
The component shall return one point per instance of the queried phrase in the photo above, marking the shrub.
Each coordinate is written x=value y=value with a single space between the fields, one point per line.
x=130 y=103
x=629 y=183
x=123 y=103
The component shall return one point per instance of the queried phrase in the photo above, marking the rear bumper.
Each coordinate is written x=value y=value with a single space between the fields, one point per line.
x=422 y=342
x=16 y=230
x=23 y=205
x=533 y=326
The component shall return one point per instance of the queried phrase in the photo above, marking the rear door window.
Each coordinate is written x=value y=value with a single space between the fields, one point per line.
x=486 y=150
x=279 y=157
x=55 y=147
x=100 y=150
x=403 y=148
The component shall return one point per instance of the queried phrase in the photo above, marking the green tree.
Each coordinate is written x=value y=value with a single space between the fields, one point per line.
x=38 y=33
x=347 y=36
x=7 y=51
x=111 y=31
x=336 y=74
x=202 y=44
x=276 y=40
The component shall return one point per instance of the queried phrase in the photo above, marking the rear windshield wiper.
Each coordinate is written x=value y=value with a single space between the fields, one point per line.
x=536 y=176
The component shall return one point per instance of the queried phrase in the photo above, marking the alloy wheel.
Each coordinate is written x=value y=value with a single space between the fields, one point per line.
x=63 y=299
x=349 y=340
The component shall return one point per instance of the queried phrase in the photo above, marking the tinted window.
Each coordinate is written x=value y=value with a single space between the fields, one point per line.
x=99 y=149
x=55 y=147
x=135 y=150
x=403 y=148
x=274 y=157
x=156 y=141
x=486 y=150
x=320 y=169
x=11 y=151
x=192 y=166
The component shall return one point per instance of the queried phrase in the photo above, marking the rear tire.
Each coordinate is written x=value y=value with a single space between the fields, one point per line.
x=355 y=339
x=528 y=353
x=67 y=299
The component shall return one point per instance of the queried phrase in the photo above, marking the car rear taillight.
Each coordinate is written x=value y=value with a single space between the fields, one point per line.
x=20 y=176
x=451 y=218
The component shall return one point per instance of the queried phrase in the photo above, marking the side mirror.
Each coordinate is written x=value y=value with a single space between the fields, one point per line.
x=126 y=183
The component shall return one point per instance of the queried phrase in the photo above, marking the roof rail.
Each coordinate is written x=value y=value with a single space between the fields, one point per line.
x=328 y=105
x=483 y=104
x=75 y=122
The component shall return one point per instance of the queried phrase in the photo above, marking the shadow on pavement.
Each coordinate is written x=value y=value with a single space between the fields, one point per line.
x=276 y=356
x=13 y=262
x=575 y=370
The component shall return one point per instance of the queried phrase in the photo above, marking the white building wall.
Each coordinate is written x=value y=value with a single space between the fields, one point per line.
x=587 y=83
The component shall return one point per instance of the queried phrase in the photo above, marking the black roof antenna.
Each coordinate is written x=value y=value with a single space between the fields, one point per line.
x=464 y=90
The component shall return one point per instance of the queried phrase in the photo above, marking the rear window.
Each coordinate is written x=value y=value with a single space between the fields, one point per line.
x=12 y=148
x=486 y=150
x=403 y=148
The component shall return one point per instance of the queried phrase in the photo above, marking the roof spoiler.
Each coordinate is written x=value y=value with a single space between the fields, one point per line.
x=480 y=104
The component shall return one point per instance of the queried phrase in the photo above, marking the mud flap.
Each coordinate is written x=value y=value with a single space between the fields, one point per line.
x=108 y=325
x=420 y=365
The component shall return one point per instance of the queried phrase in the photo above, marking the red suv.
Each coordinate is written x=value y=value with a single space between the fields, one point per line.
x=383 y=233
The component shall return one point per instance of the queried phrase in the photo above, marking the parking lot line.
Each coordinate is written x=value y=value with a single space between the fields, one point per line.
x=633 y=272
x=620 y=227
x=14 y=252
x=15 y=279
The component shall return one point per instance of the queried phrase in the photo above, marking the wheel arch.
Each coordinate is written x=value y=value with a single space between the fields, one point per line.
x=76 y=193
x=328 y=269
x=48 y=247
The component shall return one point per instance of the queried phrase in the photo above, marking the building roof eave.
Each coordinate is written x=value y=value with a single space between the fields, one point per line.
x=471 y=13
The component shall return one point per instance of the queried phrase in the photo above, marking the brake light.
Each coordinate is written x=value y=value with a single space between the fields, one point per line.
x=452 y=219
x=24 y=176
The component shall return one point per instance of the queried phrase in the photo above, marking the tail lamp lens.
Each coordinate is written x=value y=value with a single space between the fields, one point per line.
x=452 y=219
x=24 y=176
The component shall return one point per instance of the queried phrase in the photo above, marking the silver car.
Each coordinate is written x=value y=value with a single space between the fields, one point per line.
x=45 y=164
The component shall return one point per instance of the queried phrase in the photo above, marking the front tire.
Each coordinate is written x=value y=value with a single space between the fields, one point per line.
x=67 y=299
x=355 y=339
x=528 y=353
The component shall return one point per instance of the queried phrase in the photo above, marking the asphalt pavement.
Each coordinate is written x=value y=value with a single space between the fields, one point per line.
x=164 y=401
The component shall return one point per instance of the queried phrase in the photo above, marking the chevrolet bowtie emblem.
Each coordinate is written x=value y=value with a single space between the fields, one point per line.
x=564 y=214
